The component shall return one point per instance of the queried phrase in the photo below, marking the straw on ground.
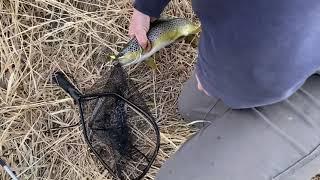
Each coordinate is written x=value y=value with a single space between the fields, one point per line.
x=41 y=36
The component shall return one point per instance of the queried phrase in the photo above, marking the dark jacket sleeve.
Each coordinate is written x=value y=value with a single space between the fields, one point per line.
x=151 y=8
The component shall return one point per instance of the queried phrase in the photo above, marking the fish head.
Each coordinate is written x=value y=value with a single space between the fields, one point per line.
x=132 y=52
x=129 y=57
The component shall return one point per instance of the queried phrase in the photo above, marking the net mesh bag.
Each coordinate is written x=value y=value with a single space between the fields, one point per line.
x=117 y=124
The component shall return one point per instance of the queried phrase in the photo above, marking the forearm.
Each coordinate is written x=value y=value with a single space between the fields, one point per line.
x=151 y=8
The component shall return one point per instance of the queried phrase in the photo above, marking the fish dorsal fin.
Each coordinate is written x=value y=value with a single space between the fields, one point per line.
x=160 y=20
x=192 y=40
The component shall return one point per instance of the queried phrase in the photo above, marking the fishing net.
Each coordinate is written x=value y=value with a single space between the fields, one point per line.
x=116 y=124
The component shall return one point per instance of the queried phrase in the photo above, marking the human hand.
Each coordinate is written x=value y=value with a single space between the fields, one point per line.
x=200 y=88
x=139 y=26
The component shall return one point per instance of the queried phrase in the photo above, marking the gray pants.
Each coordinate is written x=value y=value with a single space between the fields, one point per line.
x=275 y=142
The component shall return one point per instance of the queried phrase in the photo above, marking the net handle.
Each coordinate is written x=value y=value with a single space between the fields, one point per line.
x=61 y=79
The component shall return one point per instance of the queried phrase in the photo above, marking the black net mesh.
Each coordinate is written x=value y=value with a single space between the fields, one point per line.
x=118 y=132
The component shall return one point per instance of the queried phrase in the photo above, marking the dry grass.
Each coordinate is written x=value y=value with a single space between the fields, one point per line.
x=40 y=36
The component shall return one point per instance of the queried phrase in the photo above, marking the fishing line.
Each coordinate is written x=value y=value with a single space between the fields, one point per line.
x=8 y=169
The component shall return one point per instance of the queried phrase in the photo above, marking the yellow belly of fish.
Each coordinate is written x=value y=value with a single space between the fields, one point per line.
x=156 y=47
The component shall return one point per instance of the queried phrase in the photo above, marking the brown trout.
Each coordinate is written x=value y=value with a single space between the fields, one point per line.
x=162 y=33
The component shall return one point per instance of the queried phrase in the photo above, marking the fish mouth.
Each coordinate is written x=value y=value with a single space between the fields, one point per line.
x=119 y=56
x=130 y=57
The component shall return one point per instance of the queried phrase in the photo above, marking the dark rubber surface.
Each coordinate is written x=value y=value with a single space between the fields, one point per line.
x=279 y=141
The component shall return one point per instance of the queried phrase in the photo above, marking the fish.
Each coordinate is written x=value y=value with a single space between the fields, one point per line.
x=162 y=33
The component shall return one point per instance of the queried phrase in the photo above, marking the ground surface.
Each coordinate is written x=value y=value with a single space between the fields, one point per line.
x=41 y=36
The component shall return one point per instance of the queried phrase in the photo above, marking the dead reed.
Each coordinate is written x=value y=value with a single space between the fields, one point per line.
x=41 y=36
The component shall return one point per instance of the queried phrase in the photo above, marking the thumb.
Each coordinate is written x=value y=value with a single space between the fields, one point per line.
x=142 y=39
x=199 y=86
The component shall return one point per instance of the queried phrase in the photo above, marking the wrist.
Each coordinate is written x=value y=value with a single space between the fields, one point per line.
x=143 y=8
x=136 y=11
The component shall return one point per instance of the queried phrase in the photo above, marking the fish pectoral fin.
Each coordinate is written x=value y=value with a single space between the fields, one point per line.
x=151 y=63
x=192 y=40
